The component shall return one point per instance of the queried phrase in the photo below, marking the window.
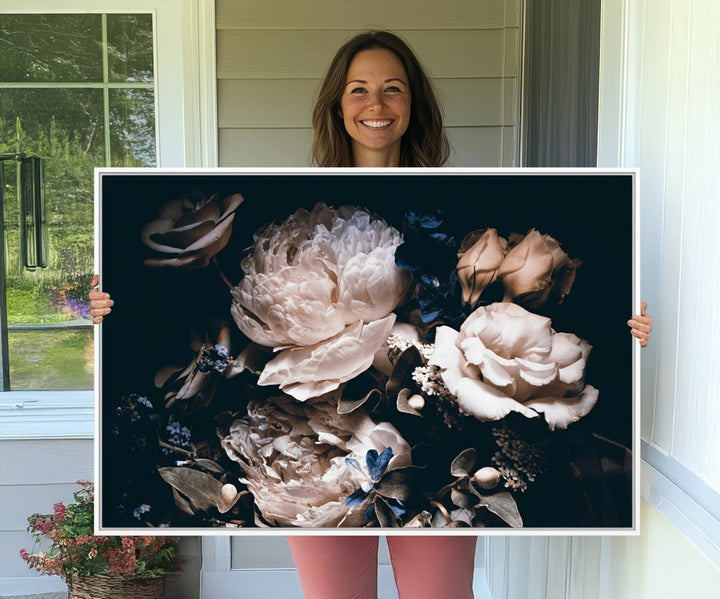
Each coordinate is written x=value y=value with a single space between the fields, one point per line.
x=185 y=124
x=78 y=91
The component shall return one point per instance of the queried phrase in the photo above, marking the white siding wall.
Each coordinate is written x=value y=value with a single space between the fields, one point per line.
x=271 y=57
x=671 y=129
x=34 y=475
x=660 y=86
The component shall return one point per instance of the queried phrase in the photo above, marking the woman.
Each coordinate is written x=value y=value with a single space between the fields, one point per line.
x=377 y=108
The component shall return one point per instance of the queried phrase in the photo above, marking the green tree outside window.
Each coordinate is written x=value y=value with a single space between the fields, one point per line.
x=79 y=91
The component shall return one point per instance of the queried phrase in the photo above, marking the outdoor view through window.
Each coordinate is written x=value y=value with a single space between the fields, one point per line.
x=78 y=91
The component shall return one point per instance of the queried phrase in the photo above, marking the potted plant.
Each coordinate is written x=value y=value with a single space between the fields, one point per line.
x=95 y=567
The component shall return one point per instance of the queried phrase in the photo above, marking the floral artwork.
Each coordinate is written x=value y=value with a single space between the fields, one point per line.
x=382 y=349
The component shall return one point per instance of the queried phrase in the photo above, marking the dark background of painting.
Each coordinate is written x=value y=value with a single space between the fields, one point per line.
x=591 y=215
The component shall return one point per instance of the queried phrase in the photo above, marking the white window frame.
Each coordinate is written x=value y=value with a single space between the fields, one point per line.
x=186 y=128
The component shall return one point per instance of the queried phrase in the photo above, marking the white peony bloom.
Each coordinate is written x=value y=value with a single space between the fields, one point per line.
x=320 y=288
x=293 y=455
x=505 y=359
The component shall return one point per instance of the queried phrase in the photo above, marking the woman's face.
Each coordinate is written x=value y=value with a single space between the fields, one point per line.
x=375 y=106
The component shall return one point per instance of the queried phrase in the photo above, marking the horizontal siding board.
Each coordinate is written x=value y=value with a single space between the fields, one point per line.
x=512 y=13
x=19 y=501
x=262 y=103
x=23 y=462
x=11 y=564
x=264 y=147
x=471 y=102
x=279 y=103
x=307 y=53
x=369 y=14
x=475 y=146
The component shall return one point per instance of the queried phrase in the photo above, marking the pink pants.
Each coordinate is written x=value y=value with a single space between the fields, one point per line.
x=346 y=567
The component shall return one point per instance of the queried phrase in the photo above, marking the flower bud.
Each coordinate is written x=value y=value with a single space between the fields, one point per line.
x=536 y=271
x=228 y=493
x=486 y=478
x=417 y=402
x=481 y=254
x=528 y=267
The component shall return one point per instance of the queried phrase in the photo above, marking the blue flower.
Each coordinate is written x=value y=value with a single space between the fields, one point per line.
x=140 y=510
x=178 y=436
x=214 y=358
x=145 y=402
x=377 y=463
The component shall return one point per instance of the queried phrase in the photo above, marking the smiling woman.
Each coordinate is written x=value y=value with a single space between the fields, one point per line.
x=363 y=114
x=375 y=107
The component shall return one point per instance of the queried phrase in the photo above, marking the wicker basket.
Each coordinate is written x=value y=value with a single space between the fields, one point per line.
x=116 y=587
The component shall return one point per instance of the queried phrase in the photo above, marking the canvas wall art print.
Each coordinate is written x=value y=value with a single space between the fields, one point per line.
x=441 y=350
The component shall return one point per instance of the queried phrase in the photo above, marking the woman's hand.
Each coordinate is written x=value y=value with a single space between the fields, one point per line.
x=99 y=302
x=641 y=325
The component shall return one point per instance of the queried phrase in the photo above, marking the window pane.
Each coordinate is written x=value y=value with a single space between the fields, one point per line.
x=130 y=47
x=54 y=122
x=50 y=48
x=66 y=127
x=53 y=359
x=132 y=127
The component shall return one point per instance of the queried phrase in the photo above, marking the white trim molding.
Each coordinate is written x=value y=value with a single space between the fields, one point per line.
x=683 y=498
x=200 y=83
x=46 y=415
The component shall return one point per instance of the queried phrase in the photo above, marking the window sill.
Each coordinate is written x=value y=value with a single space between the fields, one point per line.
x=47 y=415
x=681 y=496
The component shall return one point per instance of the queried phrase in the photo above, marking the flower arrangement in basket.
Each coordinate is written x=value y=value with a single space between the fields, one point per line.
x=98 y=566
x=386 y=369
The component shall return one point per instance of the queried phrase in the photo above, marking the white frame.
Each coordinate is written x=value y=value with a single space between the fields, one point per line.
x=186 y=124
x=220 y=553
